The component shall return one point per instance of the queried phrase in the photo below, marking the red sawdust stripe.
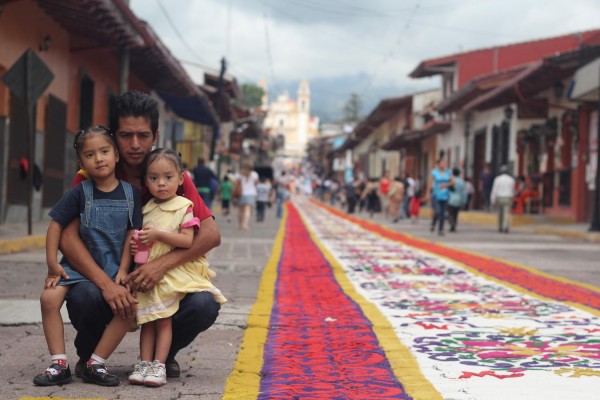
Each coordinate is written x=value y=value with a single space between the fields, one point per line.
x=539 y=283
x=320 y=344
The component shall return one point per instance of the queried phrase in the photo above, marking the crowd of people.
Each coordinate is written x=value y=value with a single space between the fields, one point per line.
x=446 y=191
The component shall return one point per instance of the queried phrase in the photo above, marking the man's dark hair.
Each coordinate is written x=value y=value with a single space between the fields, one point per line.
x=456 y=172
x=134 y=104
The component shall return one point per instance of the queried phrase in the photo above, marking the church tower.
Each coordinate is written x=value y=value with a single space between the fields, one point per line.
x=264 y=105
x=303 y=108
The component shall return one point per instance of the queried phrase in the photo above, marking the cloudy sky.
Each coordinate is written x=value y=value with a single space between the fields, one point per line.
x=346 y=46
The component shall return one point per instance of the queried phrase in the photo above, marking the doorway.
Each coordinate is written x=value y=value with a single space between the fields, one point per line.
x=478 y=164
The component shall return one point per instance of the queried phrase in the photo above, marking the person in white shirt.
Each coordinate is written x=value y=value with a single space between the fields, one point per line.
x=248 y=180
x=263 y=190
x=503 y=191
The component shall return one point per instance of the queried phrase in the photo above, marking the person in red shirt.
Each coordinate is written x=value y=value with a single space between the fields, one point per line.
x=384 y=188
x=91 y=305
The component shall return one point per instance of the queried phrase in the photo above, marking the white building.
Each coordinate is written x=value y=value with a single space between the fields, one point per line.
x=291 y=120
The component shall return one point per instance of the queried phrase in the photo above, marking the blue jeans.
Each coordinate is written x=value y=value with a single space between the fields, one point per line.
x=439 y=208
x=90 y=315
x=282 y=196
x=206 y=198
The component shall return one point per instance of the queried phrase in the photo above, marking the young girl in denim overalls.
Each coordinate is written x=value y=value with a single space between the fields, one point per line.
x=109 y=210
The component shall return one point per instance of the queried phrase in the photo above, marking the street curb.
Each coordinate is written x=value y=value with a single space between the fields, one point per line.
x=587 y=236
x=21 y=244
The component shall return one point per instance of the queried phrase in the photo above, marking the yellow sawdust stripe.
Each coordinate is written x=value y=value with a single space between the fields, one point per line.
x=401 y=359
x=244 y=380
x=60 y=398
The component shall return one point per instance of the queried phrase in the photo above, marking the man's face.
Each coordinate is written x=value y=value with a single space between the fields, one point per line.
x=134 y=139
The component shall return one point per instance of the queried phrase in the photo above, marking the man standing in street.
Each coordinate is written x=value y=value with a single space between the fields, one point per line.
x=503 y=191
x=203 y=179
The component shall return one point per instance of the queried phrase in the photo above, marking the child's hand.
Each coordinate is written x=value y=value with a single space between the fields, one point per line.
x=120 y=279
x=149 y=234
x=55 y=272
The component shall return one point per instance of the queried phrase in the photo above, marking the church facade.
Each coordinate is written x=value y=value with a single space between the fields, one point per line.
x=290 y=120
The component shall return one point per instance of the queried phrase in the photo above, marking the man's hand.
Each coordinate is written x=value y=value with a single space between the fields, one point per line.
x=121 y=302
x=146 y=276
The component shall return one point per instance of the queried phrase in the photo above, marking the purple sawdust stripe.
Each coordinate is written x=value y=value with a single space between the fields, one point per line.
x=320 y=344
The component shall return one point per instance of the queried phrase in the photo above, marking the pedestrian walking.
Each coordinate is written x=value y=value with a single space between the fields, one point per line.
x=384 y=188
x=206 y=182
x=225 y=192
x=470 y=191
x=110 y=210
x=371 y=196
x=502 y=194
x=134 y=120
x=396 y=199
x=457 y=199
x=440 y=182
x=283 y=191
x=351 y=195
x=263 y=190
x=415 y=206
x=409 y=193
x=168 y=224
x=248 y=179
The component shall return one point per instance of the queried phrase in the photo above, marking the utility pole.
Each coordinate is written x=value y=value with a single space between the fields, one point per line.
x=219 y=106
x=595 y=226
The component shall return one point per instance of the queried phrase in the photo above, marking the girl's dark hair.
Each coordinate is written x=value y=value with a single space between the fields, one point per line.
x=81 y=136
x=165 y=153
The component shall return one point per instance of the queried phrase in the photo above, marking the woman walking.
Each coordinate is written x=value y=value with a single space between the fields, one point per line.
x=247 y=180
x=440 y=182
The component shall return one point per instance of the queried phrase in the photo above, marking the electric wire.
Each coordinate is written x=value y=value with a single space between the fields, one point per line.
x=179 y=35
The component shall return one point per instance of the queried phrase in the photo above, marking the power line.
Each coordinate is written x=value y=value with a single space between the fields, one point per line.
x=179 y=35
x=390 y=54
x=340 y=38
x=269 y=54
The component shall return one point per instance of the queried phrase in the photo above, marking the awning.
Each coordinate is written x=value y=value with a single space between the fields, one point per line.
x=196 y=108
x=476 y=88
x=411 y=138
x=538 y=76
x=586 y=81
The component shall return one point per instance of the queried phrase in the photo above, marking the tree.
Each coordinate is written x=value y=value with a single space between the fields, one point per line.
x=251 y=95
x=352 y=108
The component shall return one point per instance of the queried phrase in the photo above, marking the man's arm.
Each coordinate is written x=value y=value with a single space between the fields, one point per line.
x=74 y=250
x=207 y=238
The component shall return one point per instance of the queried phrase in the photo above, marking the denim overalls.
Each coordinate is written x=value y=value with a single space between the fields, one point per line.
x=103 y=229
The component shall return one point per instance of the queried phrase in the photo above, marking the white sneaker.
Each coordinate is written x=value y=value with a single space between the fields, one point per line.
x=139 y=372
x=156 y=374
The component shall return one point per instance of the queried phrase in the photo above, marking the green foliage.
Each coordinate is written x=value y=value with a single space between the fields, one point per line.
x=352 y=108
x=251 y=95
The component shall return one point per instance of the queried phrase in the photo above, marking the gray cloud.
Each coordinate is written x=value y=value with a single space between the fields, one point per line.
x=375 y=44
